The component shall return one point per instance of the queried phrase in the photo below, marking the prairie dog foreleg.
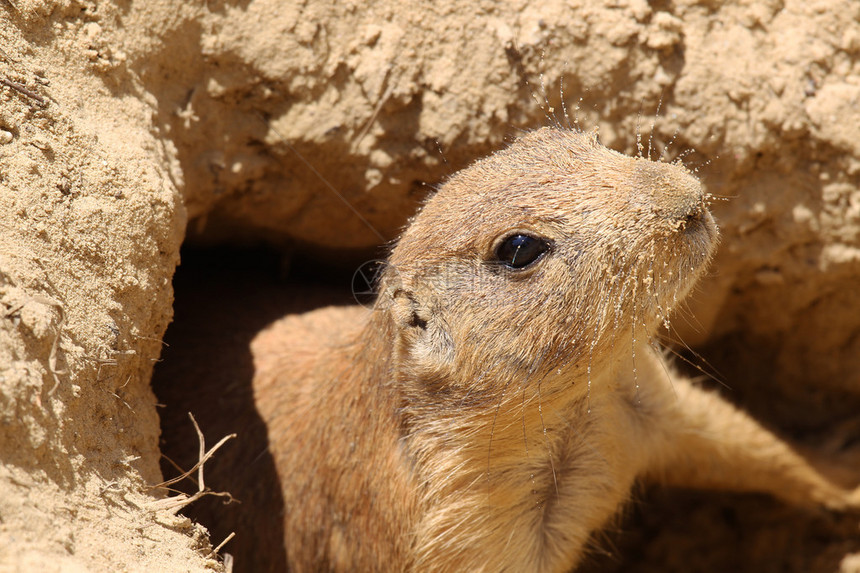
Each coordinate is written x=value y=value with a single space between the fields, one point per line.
x=708 y=443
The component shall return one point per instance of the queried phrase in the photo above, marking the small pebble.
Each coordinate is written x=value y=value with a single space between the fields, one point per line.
x=5 y=137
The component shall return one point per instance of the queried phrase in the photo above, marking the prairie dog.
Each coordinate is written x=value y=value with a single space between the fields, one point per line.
x=498 y=403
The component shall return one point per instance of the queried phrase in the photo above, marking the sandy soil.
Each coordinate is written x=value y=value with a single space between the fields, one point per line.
x=128 y=128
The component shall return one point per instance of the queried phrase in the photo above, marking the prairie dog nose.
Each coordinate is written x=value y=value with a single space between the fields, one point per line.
x=673 y=193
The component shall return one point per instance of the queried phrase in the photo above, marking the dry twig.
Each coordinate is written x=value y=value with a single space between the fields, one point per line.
x=23 y=90
x=223 y=543
x=174 y=504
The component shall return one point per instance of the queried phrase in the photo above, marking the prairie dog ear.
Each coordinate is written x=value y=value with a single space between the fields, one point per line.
x=422 y=331
x=407 y=311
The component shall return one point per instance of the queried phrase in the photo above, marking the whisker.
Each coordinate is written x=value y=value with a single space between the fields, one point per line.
x=668 y=145
x=561 y=95
x=714 y=375
x=654 y=125
x=546 y=439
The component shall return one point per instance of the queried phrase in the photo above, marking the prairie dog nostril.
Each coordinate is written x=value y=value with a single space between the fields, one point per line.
x=695 y=215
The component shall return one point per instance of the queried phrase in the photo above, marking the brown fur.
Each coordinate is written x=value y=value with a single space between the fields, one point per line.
x=483 y=419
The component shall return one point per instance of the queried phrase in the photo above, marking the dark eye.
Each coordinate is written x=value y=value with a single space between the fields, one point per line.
x=519 y=251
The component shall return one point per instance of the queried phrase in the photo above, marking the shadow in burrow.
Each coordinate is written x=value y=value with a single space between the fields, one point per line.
x=223 y=298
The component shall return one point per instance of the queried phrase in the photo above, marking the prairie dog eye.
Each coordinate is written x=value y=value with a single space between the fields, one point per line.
x=520 y=250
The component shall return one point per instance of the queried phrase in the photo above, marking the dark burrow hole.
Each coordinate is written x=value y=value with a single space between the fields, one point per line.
x=223 y=298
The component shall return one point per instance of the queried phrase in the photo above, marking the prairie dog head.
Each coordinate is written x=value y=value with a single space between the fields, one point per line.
x=541 y=256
